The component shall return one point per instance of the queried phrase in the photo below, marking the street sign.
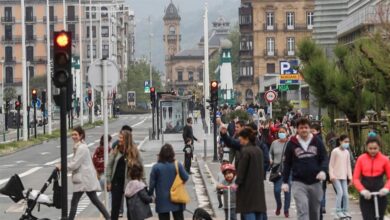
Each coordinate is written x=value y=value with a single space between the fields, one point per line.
x=147 y=86
x=288 y=67
x=95 y=75
x=289 y=77
x=131 y=98
x=270 y=96
x=37 y=104
x=90 y=104
x=288 y=82
x=76 y=62
x=288 y=87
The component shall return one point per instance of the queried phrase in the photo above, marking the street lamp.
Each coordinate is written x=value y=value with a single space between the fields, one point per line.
x=2 y=61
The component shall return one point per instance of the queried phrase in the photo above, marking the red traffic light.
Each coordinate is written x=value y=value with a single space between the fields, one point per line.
x=152 y=90
x=34 y=92
x=62 y=40
x=214 y=84
x=17 y=103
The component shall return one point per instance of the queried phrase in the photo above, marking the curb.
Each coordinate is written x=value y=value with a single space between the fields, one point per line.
x=210 y=190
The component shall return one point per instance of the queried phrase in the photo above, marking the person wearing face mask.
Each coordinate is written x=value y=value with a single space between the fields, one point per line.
x=368 y=175
x=340 y=173
x=276 y=154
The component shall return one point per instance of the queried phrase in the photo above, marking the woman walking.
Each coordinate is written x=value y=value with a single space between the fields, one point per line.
x=121 y=159
x=368 y=178
x=340 y=173
x=250 y=178
x=276 y=154
x=161 y=179
x=84 y=177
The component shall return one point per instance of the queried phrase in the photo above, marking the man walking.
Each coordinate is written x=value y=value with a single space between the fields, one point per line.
x=188 y=132
x=306 y=157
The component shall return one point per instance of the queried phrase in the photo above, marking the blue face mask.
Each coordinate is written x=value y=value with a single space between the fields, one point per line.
x=345 y=145
x=371 y=134
x=282 y=135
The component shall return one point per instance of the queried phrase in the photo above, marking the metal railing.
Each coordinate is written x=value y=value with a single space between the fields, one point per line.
x=9 y=60
x=289 y=53
x=8 y=19
x=245 y=52
x=273 y=27
x=39 y=60
x=72 y=18
x=270 y=53
x=31 y=19
x=31 y=38
x=52 y=19
x=13 y=39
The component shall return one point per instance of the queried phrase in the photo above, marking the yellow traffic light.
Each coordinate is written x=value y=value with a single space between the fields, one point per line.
x=62 y=39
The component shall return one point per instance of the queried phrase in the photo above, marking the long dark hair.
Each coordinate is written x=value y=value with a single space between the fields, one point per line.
x=166 y=155
x=249 y=134
x=80 y=131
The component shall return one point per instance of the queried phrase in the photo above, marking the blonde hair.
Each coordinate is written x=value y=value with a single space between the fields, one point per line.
x=132 y=153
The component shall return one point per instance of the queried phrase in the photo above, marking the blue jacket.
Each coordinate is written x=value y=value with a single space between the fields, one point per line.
x=161 y=180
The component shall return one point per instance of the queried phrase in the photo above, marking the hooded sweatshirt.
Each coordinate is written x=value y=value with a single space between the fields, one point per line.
x=305 y=164
x=133 y=187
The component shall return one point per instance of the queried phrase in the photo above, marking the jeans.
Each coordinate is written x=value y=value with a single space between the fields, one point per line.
x=178 y=215
x=341 y=187
x=187 y=163
x=277 y=194
x=117 y=192
x=233 y=215
x=307 y=200
x=253 y=216
x=94 y=199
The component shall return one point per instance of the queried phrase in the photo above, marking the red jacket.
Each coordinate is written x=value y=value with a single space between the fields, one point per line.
x=98 y=159
x=371 y=167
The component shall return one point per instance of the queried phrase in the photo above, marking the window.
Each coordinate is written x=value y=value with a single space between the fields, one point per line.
x=290 y=46
x=93 y=11
x=8 y=54
x=246 y=68
x=8 y=32
x=106 y=51
x=290 y=20
x=270 y=67
x=104 y=12
x=180 y=76
x=93 y=32
x=29 y=13
x=89 y=51
x=51 y=13
x=246 y=43
x=8 y=13
x=270 y=20
x=87 y=12
x=29 y=32
x=72 y=28
x=71 y=13
x=172 y=30
x=105 y=31
x=30 y=53
x=270 y=46
x=9 y=74
x=310 y=20
x=190 y=76
x=31 y=71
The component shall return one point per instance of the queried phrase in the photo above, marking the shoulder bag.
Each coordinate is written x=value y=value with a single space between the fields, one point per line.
x=178 y=190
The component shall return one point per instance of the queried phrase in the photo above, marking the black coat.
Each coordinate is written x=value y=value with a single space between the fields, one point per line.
x=250 y=181
x=188 y=133
x=138 y=206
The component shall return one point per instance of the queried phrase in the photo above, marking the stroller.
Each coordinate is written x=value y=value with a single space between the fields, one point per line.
x=30 y=198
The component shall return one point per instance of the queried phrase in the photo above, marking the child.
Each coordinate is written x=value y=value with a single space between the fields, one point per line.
x=220 y=178
x=137 y=196
x=98 y=159
x=188 y=154
x=229 y=172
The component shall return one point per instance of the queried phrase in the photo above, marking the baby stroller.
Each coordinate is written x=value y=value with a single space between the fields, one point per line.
x=30 y=198
x=201 y=214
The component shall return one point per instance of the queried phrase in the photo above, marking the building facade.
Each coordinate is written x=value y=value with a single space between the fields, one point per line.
x=121 y=30
x=270 y=31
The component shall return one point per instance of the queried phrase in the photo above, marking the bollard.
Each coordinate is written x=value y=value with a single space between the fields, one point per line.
x=162 y=138
x=150 y=134
x=205 y=150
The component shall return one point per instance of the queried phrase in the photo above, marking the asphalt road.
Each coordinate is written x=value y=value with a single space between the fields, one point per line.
x=35 y=164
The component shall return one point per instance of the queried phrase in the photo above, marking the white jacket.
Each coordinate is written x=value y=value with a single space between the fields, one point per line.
x=84 y=176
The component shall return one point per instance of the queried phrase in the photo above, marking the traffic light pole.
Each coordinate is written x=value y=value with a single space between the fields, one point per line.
x=64 y=153
x=215 y=157
x=28 y=122
x=18 y=125
x=35 y=119
x=153 y=124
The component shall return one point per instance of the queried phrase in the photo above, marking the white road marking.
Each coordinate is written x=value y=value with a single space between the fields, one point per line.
x=142 y=143
x=20 y=161
x=139 y=123
x=28 y=172
x=149 y=165
x=45 y=153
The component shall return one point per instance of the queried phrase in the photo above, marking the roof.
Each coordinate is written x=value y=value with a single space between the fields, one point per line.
x=171 y=13
x=190 y=53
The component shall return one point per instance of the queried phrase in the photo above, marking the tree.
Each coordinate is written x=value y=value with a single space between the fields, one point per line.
x=39 y=82
x=9 y=93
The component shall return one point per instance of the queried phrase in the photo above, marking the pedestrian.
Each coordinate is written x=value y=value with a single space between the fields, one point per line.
x=121 y=159
x=340 y=173
x=84 y=177
x=229 y=188
x=98 y=159
x=306 y=158
x=162 y=177
x=232 y=142
x=138 y=199
x=188 y=132
x=368 y=175
x=220 y=178
x=188 y=155
x=276 y=154
x=250 y=178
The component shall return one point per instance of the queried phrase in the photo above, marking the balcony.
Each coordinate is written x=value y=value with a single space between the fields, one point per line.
x=172 y=37
x=39 y=60
x=53 y=19
x=72 y=18
x=289 y=53
x=10 y=60
x=13 y=82
x=298 y=27
x=246 y=52
x=248 y=78
x=13 y=39
x=7 y=19
x=270 y=53
x=184 y=82
x=31 y=38
x=273 y=27
x=31 y=19
x=246 y=27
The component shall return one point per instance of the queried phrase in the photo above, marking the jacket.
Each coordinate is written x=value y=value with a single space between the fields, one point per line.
x=138 y=200
x=84 y=176
x=305 y=165
x=368 y=166
x=161 y=180
x=98 y=159
x=188 y=133
x=250 y=181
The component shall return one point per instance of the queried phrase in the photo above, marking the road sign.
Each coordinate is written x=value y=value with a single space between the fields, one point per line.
x=76 y=62
x=90 y=104
x=270 y=96
x=289 y=77
x=131 y=98
x=289 y=67
x=95 y=75
x=288 y=87
x=147 y=86
x=288 y=82
x=37 y=104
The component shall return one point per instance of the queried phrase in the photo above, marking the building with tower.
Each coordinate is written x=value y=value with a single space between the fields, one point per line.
x=184 y=67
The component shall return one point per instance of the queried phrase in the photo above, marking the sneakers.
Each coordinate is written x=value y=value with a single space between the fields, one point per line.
x=277 y=212
x=323 y=210
x=286 y=214
x=340 y=215
x=347 y=215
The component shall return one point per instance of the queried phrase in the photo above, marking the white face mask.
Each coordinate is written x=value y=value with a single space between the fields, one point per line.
x=345 y=145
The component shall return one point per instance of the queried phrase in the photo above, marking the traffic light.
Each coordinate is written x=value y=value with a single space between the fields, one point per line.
x=152 y=94
x=214 y=91
x=62 y=59
x=89 y=95
x=34 y=95
x=43 y=99
x=17 y=105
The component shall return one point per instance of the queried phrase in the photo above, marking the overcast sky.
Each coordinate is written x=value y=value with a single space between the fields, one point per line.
x=191 y=12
